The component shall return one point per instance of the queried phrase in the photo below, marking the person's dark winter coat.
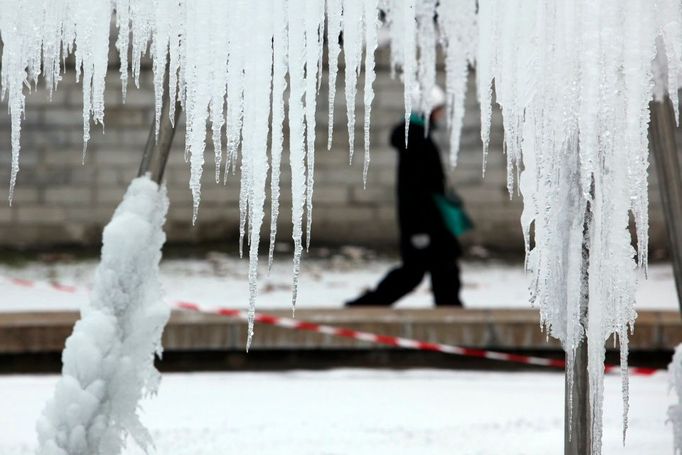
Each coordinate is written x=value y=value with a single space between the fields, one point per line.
x=426 y=244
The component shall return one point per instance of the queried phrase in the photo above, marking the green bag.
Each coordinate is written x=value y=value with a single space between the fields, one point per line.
x=452 y=210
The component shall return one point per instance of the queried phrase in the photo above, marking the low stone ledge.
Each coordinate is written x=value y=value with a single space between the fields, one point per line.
x=507 y=329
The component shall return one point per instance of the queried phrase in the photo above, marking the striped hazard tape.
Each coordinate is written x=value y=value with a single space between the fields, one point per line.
x=398 y=342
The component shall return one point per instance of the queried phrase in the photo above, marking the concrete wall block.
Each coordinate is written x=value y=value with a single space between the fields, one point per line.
x=58 y=200
x=181 y=196
x=7 y=214
x=120 y=116
x=345 y=215
x=26 y=195
x=105 y=157
x=72 y=157
x=331 y=195
x=44 y=176
x=40 y=214
x=41 y=98
x=219 y=194
x=69 y=195
x=135 y=97
x=134 y=138
x=109 y=195
x=109 y=176
x=62 y=116
x=374 y=195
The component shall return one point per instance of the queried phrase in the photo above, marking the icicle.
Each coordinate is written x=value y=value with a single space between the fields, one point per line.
x=296 y=51
x=258 y=71
x=160 y=61
x=197 y=76
x=352 y=53
x=426 y=69
x=123 y=41
x=13 y=75
x=220 y=49
x=235 y=82
x=371 y=30
x=175 y=77
x=235 y=111
x=409 y=58
x=487 y=40
x=314 y=22
x=141 y=31
x=393 y=9
x=92 y=52
x=279 y=83
x=334 y=21
x=457 y=26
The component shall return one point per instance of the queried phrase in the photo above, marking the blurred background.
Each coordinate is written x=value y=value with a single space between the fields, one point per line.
x=61 y=203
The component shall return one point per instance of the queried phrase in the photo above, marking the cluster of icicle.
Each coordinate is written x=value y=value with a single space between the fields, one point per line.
x=574 y=81
x=109 y=358
x=230 y=65
x=675 y=410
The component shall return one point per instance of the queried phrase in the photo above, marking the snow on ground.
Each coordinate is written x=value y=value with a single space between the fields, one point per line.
x=361 y=412
x=325 y=283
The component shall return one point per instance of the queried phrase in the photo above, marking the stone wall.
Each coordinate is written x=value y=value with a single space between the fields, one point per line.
x=59 y=201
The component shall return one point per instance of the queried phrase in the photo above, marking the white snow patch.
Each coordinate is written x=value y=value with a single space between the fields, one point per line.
x=675 y=410
x=412 y=412
x=326 y=283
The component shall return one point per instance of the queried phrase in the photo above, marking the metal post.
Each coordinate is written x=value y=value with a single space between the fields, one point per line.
x=577 y=416
x=663 y=144
x=158 y=147
x=577 y=421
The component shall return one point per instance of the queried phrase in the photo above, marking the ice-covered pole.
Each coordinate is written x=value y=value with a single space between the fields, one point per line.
x=109 y=358
x=108 y=361
x=577 y=415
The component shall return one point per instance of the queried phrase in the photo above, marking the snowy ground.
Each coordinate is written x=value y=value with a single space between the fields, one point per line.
x=325 y=283
x=355 y=412
x=342 y=411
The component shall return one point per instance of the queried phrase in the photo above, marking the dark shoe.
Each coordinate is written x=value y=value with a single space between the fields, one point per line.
x=366 y=299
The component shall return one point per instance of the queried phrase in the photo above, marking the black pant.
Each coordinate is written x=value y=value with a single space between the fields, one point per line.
x=439 y=260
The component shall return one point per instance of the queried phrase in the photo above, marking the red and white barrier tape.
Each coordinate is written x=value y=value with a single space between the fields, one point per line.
x=52 y=285
x=399 y=342
x=405 y=343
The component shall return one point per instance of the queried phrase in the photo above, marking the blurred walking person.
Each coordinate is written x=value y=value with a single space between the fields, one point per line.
x=428 y=219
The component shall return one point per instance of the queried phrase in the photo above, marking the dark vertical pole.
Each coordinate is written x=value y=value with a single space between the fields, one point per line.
x=158 y=147
x=663 y=144
x=577 y=421
x=577 y=417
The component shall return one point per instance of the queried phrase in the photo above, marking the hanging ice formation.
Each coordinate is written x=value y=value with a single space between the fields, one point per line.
x=573 y=80
x=675 y=410
x=223 y=79
x=108 y=360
